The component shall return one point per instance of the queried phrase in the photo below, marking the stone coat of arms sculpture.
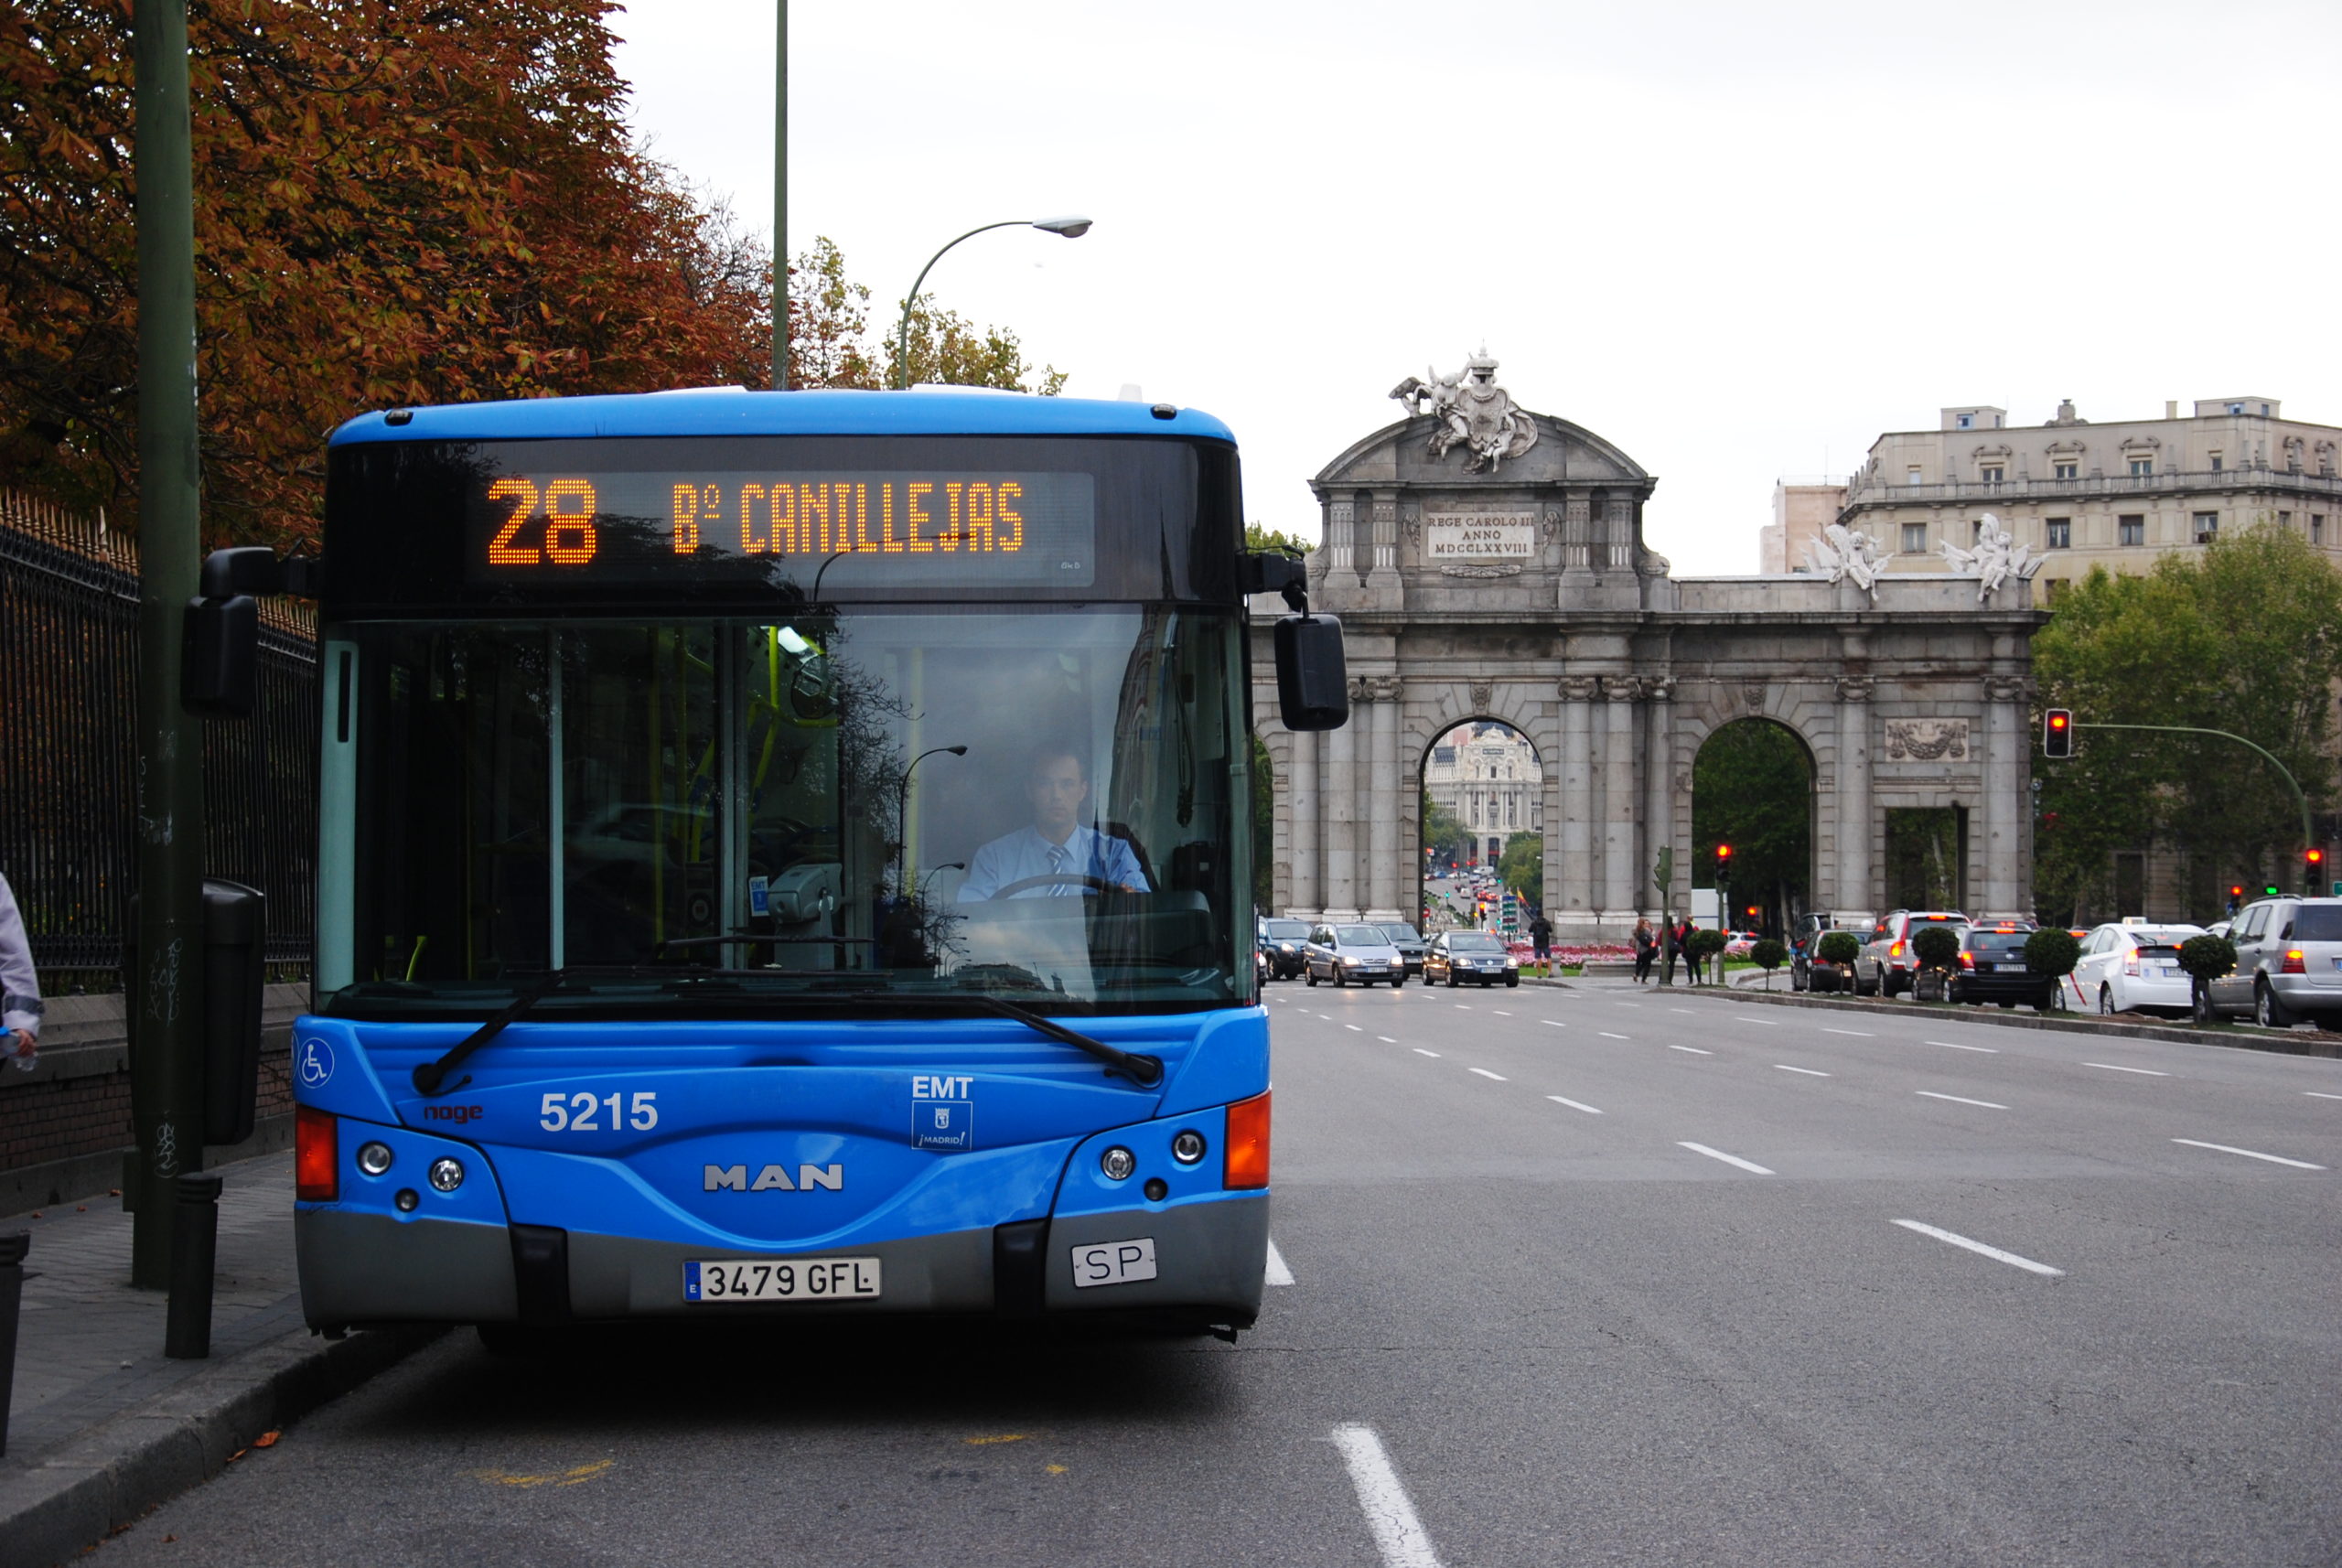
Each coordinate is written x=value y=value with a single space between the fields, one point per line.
x=1473 y=412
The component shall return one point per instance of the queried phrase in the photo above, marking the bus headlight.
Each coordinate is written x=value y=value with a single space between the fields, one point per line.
x=373 y=1158
x=1188 y=1147
x=1118 y=1163
x=446 y=1175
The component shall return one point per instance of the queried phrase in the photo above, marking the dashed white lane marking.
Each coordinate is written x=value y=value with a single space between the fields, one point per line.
x=1354 y=1029
x=1973 y=1246
x=1277 y=1273
x=1750 y=1018
x=1386 y=1039
x=1683 y=1009
x=1421 y=1052
x=1626 y=1004
x=1573 y=1105
x=1858 y=1034
x=1947 y=1044
x=1784 y=1067
x=1694 y=1049
x=1500 y=1012
x=1484 y=1072
x=1608 y=1035
x=1552 y=1024
x=2315 y=1095
x=1463 y=1006
x=2250 y=1154
x=1727 y=1159
x=1960 y=1100
x=1399 y=1535
x=2142 y=1071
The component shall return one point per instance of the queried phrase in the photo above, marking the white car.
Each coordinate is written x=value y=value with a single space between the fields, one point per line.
x=2126 y=967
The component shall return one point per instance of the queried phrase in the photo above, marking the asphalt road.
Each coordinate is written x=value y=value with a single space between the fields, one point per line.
x=1595 y=1276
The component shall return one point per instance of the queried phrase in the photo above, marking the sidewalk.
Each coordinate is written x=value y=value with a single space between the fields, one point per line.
x=101 y=1425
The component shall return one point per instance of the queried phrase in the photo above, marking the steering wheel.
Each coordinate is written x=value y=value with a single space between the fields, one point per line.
x=1052 y=879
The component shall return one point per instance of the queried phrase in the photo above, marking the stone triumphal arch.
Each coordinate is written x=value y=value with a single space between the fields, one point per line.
x=1488 y=563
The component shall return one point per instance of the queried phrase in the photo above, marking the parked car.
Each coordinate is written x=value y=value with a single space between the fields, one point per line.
x=1409 y=941
x=1353 y=955
x=1887 y=963
x=2134 y=967
x=1739 y=944
x=1992 y=969
x=2288 y=964
x=1284 y=943
x=1805 y=937
x=1478 y=957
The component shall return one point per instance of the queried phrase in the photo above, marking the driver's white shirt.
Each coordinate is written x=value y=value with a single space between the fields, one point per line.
x=1086 y=851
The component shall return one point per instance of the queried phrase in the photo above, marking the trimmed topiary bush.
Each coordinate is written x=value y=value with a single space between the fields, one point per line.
x=1937 y=946
x=1769 y=955
x=2206 y=959
x=1839 y=948
x=2053 y=952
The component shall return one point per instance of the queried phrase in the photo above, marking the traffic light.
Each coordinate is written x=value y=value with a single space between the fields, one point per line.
x=2315 y=858
x=2270 y=891
x=1724 y=856
x=2058 y=733
x=2235 y=896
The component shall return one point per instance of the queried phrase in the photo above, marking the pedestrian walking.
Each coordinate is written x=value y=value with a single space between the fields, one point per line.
x=1645 y=951
x=1678 y=940
x=20 y=1006
x=1540 y=936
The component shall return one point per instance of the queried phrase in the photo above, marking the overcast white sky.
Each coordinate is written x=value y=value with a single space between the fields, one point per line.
x=1738 y=240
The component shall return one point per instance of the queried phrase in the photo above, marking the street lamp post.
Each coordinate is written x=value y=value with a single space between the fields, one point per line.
x=903 y=811
x=1070 y=227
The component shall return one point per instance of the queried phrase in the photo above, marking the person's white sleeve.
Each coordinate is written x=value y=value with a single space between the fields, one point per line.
x=21 y=1007
x=1127 y=871
x=983 y=873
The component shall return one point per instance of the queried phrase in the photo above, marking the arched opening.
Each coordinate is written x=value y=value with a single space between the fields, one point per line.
x=1752 y=790
x=1483 y=817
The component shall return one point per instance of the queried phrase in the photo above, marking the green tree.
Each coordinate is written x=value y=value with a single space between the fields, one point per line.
x=1261 y=536
x=2242 y=637
x=1752 y=787
x=1443 y=832
x=832 y=342
x=1264 y=825
x=1522 y=866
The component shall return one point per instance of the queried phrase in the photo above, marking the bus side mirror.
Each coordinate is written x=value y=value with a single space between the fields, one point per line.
x=220 y=658
x=1312 y=677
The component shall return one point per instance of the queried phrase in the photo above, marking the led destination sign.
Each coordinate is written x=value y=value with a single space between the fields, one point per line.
x=918 y=529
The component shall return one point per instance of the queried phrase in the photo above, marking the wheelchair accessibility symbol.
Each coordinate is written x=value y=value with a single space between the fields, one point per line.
x=317 y=1062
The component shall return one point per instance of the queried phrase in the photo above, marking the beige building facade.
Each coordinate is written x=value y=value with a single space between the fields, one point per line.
x=2079 y=494
x=1486 y=775
x=1802 y=510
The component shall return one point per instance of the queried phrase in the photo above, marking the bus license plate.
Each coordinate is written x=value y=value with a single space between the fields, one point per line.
x=780 y=1279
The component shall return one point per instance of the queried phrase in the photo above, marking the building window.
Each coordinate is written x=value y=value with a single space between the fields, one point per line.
x=2236 y=408
x=1914 y=539
x=2061 y=534
x=2051 y=588
x=2068 y=469
x=2207 y=526
x=2131 y=529
x=1966 y=421
x=2219 y=462
x=1914 y=471
x=2317 y=528
x=1990 y=473
x=2141 y=468
x=2284 y=519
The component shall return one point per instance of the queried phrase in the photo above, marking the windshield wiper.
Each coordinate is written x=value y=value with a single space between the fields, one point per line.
x=1146 y=1071
x=429 y=1077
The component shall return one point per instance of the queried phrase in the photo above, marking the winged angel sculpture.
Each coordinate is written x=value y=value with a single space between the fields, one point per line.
x=1996 y=558
x=1843 y=553
x=1473 y=412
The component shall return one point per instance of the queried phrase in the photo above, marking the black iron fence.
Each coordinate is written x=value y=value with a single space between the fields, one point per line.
x=69 y=674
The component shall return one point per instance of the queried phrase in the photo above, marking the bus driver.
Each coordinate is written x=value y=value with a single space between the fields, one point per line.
x=1057 y=857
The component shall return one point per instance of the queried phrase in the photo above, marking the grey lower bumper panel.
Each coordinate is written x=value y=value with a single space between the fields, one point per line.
x=1209 y=1257
x=370 y=1268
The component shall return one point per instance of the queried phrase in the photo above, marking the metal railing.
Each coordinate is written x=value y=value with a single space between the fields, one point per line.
x=2225 y=481
x=69 y=671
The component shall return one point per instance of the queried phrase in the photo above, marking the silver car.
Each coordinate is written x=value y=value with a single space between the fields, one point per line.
x=2288 y=964
x=1353 y=955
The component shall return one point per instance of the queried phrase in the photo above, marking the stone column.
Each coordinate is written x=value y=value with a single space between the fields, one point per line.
x=1341 y=814
x=2006 y=802
x=1573 y=900
x=1618 y=879
x=1304 y=897
x=1659 y=787
x=1384 y=787
x=1857 y=888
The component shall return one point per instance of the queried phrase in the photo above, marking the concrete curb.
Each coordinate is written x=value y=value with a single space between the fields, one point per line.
x=2286 y=1043
x=116 y=1471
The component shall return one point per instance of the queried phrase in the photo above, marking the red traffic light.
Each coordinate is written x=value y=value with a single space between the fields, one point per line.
x=2235 y=890
x=2058 y=733
x=2315 y=857
x=1724 y=853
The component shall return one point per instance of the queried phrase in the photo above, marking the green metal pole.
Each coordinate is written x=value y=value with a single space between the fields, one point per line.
x=166 y=1042
x=2300 y=800
x=781 y=204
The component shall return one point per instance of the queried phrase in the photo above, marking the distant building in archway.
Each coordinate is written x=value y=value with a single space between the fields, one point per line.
x=1487 y=777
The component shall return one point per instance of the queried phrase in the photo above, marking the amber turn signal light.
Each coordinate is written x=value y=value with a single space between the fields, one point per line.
x=317 y=1161
x=1246 y=1151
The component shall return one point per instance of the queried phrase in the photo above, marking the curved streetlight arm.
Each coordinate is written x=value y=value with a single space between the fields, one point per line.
x=2300 y=800
x=903 y=343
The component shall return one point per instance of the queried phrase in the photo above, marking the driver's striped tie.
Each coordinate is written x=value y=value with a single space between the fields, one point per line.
x=1058 y=861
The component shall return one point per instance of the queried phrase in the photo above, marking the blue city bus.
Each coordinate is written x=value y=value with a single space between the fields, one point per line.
x=788 y=853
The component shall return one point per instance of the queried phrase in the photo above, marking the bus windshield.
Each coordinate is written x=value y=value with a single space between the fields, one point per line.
x=746 y=812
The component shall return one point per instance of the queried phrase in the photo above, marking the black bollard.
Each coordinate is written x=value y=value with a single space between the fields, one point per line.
x=12 y=1289
x=195 y=1248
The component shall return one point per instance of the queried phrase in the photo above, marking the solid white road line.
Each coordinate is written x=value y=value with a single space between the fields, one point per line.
x=1421 y=1052
x=1993 y=1252
x=1727 y=1159
x=1573 y=1105
x=1277 y=1273
x=1858 y=1034
x=2315 y=1095
x=1484 y=1072
x=1398 y=1533
x=1960 y=1100
x=1694 y=1049
x=1608 y=1035
x=1988 y=1050
x=2250 y=1154
x=2142 y=1071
